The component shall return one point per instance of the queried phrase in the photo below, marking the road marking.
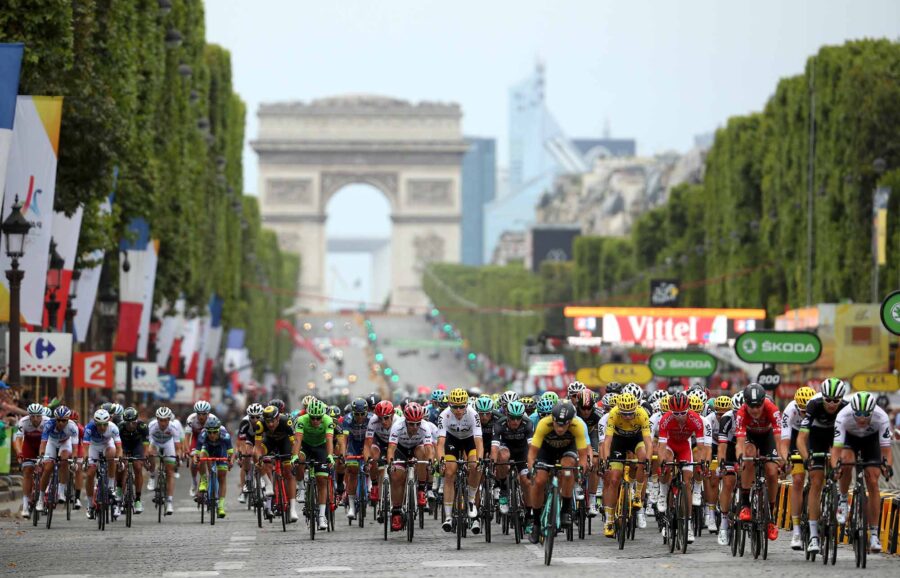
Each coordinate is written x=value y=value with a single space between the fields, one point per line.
x=236 y=550
x=242 y=538
x=582 y=560
x=314 y=569
x=229 y=565
x=187 y=509
x=190 y=574
x=451 y=564
x=534 y=549
x=65 y=576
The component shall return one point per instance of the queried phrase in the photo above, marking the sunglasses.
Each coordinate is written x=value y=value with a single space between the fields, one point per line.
x=626 y=414
x=270 y=419
x=679 y=413
x=832 y=399
x=464 y=406
x=561 y=422
x=862 y=414
x=315 y=418
x=413 y=423
x=62 y=420
x=387 y=418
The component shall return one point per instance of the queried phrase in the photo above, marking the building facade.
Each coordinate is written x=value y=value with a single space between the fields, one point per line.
x=479 y=182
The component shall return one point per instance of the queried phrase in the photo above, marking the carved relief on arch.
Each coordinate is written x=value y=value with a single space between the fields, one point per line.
x=430 y=192
x=427 y=249
x=385 y=182
x=289 y=191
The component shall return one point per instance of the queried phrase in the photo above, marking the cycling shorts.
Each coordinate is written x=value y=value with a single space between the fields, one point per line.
x=282 y=447
x=53 y=447
x=623 y=445
x=867 y=447
x=96 y=451
x=820 y=441
x=682 y=453
x=318 y=454
x=167 y=450
x=455 y=448
x=134 y=448
x=548 y=457
x=765 y=444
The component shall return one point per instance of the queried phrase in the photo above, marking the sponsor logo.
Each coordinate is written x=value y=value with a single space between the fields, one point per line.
x=40 y=348
x=749 y=346
x=786 y=347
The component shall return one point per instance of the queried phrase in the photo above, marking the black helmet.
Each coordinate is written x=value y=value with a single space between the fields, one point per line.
x=271 y=412
x=614 y=387
x=359 y=405
x=563 y=412
x=277 y=403
x=754 y=395
x=373 y=399
x=130 y=414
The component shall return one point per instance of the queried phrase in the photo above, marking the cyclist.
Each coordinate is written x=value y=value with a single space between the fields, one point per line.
x=627 y=433
x=56 y=443
x=314 y=441
x=195 y=424
x=438 y=404
x=558 y=439
x=504 y=400
x=863 y=429
x=27 y=445
x=544 y=407
x=115 y=414
x=489 y=416
x=135 y=436
x=720 y=405
x=274 y=436
x=103 y=442
x=573 y=391
x=676 y=428
x=727 y=461
x=509 y=444
x=757 y=426
x=214 y=442
x=340 y=448
x=591 y=416
x=166 y=437
x=697 y=403
x=459 y=437
x=530 y=405
x=378 y=433
x=408 y=440
x=791 y=419
x=245 y=436
x=354 y=425
x=817 y=436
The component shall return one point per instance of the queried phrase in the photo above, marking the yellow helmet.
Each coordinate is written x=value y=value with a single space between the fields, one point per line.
x=723 y=403
x=626 y=403
x=803 y=395
x=458 y=396
x=664 y=403
x=696 y=403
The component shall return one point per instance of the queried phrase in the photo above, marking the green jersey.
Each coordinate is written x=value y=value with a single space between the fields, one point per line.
x=314 y=435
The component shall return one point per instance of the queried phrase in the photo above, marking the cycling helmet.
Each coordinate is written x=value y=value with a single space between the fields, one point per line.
x=635 y=390
x=551 y=395
x=164 y=413
x=116 y=409
x=613 y=387
x=213 y=424
x=62 y=412
x=696 y=404
x=384 y=408
x=654 y=406
x=334 y=411
x=657 y=395
x=507 y=397
x=544 y=406
x=722 y=403
x=414 y=413
x=834 y=388
x=862 y=404
x=271 y=412
x=584 y=400
x=316 y=409
x=754 y=395
x=458 y=396
x=106 y=405
x=359 y=406
x=609 y=401
x=437 y=395
x=627 y=403
x=679 y=402
x=101 y=416
x=563 y=412
x=130 y=414
x=74 y=416
x=255 y=410
x=35 y=409
x=664 y=403
x=698 y=392
x=803 y=395
x=484 y=404
x=202 y=406
x=347 y=408
x=515 y=409
x=737 y=400
x=277 y=403
x=528 y=403
x=574 y=388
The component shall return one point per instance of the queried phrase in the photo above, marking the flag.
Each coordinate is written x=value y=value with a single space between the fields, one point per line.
x=65 y=232
x=133 y=284
x=188 y=347
x=149 y=283
x=90 y=282
x=31 y=176
x=10 y=66
x=213 y=341
x=169 y=331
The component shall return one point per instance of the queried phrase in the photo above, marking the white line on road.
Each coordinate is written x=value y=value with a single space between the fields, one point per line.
x=190 y=574
x=316 y=569
x=534 y=549
x=229 y=565
x=581 y=560
x=236 y=550
x=451 y=564
x=242 y=538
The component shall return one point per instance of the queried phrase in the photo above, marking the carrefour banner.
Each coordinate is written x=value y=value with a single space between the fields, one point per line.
x=31 y=178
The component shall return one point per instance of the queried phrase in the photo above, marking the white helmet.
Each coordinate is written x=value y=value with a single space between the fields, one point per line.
x=255 y=410
x=202 y=407
x=635 y=390
x=35 y=409
x=101 y=416
x=164 y=413
x=507 y=397
x=46 y=411
x=574 y=388
x=862 y=403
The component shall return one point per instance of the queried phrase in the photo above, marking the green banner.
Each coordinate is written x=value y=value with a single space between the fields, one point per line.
x=890 y=312
x=798 y=347
x=683 y=364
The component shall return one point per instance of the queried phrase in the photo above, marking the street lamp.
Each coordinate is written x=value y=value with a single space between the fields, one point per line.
x=54 y=282
x=15 y=229
x=108 y=303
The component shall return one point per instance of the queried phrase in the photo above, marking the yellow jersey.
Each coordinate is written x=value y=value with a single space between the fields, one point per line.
x=639 y=424
x=544 y=433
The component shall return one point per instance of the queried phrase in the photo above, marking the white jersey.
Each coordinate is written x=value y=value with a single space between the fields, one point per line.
x=377 y=428
x=400 y=435
x=193 y=422
x=431 y=428
x=173 y=431
x=790 y=420
x=29 y=431
x=711 y=427
x=464 y=428
x=97 y=438
x=654 y=424
x=845 y=423
x=601 y=427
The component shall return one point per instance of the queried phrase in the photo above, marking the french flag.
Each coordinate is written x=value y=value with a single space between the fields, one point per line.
x=10 y=66
x=133 y=284
x=213 y=340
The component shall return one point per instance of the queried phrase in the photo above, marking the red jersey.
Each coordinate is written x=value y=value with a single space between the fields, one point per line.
x=674 y=431
x=769 y=421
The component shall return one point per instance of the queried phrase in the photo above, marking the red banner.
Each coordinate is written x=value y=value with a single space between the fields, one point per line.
x=93 y=369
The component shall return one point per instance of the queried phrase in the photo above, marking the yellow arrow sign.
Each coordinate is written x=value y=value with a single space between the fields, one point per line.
x=887 y=382
x=625 y=372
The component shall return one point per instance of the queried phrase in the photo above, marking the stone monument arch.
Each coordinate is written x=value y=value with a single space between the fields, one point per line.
x=412 y=153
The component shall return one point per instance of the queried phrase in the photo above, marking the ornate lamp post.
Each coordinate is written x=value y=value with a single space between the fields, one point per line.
x=15 y=229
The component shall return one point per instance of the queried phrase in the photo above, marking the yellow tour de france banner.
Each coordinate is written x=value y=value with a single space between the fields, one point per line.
x=875 y=382
x=625 y=373
x=31 y=176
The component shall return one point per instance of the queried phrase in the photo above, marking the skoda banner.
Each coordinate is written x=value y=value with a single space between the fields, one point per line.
x=890 y=312
x=682 y=364
x=798 y=347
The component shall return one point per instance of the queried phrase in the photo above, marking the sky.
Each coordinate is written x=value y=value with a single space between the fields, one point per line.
x=658 y=71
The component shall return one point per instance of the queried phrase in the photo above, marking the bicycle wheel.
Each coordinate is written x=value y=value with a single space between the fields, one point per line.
x=487 y=509
x=551 y=527
x=733 y=527
x=410 y=510
x=859 y=524
x=385 y=505
x=70 y=495
x=312 y=500
x=581 y=518
x=361 y=502
x=213 y=499
x=50 y=498
x=459 y=513
x=159 y=498
x=684 y=509
x=515 y=509
x=284 y=501
x=622 y=514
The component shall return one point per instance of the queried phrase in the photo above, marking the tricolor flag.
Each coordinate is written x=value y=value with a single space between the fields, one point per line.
x=213 y=340
x=90 y=282
x=10 y=66
x=170 y=334
x=135 y=284
x=65 y=232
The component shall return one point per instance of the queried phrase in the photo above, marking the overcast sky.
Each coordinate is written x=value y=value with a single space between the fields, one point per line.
x=660 y=71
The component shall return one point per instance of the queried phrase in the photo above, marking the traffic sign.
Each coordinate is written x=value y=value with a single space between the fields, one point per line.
x=890 y=312
x=769 y=378
x=92 y=369
x=683 y=364
x=625 y=372
x=798 y=347
x=886 y=382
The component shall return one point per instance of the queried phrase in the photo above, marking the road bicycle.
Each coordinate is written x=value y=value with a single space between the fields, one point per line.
x=128 y=495
x=761 y=516
x=208 y=500
x=52 y=492
x=360 y=499
x=409 y=507
x=280 y=506
x=857 y=527
x=33 y=512
x=159 y=492
x=550 y=514
x=678 y=508
x=486 y=507
x=459 y=512
x=515 y=519
x=104 y=499
x=625 y=514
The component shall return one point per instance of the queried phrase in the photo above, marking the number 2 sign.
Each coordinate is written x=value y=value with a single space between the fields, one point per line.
x=93 y=369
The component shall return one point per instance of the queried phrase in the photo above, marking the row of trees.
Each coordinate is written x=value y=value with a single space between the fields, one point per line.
x=148 y=100
x=739 y=239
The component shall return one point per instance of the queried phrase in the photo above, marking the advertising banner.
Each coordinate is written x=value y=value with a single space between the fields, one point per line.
x=88 y=285
x=589 y=377
x=624 y=373
x=185 y=393
x=798 y=347
x=92 y=369
x=664 y=292
x=44 y=354
x=66 y=231
x=683 y=364
x=144 y=376
x=769 y=378
x=875 y=382
x=890 y=312
x=10 y=67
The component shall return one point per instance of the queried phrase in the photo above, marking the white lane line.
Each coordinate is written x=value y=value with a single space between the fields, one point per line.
x=452 y=564
x=190 y=574
x=241 y=551
x=581 y=560
x=242 y=538
x=316 y=569
x=229 y=565
x=187 y=509
x=534 y=549
x=65 y=576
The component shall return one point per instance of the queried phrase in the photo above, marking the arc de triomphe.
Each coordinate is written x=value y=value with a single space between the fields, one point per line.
x=410 y=152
